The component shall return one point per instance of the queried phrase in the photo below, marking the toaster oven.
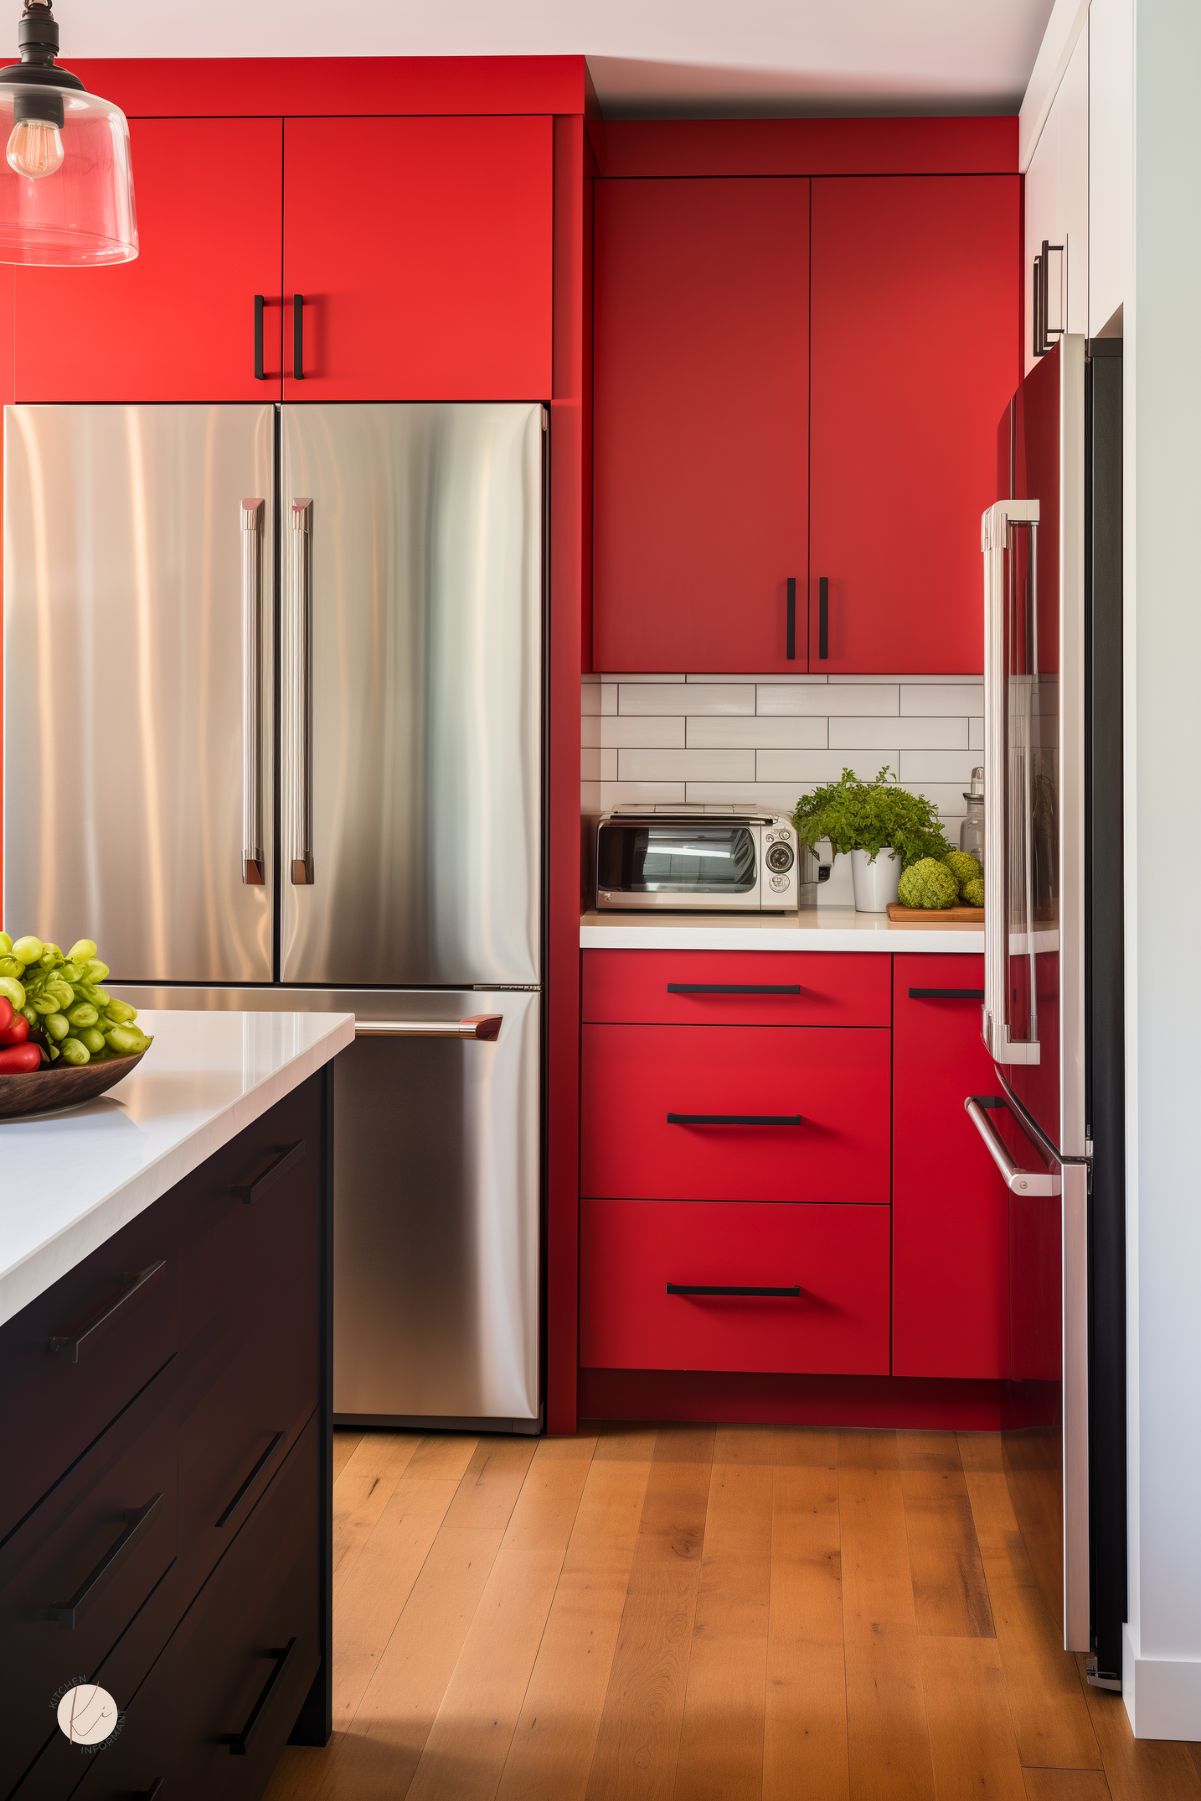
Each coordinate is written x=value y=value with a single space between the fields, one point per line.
x=702 y=858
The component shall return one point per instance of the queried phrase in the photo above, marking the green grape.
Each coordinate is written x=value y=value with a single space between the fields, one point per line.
x=29 y=1013
x=6 y=944
x=82 y=951
x=28 y=949
x=51 y=957
x=97 y=996
x=62 y=992
x=74 y=1052
x=93 y=1039
x=46 y=1003
x=57 y=1025
x=121 y=1013
x=125 y=1040
x=97 y=970
x=9 y=966
x=83 y=1014
x=12 y=991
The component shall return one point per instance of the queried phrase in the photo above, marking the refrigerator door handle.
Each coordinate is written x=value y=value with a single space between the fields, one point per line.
x=994 y=542
x=252 y=736
x=484 y=1026
x=1018 y=1181
x=297 y=797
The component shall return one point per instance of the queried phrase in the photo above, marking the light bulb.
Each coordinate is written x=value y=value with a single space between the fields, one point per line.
x=35 y=148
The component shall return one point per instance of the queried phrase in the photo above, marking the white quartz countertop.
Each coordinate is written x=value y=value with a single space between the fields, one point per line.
x=809 y=929
x=69 y=1181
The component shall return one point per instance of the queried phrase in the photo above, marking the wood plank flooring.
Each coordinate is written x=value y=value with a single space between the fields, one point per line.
x=701 y=1613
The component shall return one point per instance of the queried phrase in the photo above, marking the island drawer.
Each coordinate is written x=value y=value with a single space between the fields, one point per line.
x=745 y=1114
x=734 y=1287
x=736 y=988
x=72 y=1359
x=73 y=1576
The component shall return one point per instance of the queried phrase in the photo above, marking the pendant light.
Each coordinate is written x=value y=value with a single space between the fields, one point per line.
x=66 y=190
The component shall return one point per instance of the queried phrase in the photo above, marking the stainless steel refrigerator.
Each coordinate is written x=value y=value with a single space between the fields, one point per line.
x=273 y=729
x=1053 y=1009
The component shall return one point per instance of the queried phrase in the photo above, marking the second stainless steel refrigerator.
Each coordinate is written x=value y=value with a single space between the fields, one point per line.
x=273 y=737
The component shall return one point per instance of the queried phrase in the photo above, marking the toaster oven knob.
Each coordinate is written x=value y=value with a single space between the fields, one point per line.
x=780 y=857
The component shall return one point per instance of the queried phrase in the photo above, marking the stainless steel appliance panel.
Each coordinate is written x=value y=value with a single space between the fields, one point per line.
x=411 y=694
x=138 y=549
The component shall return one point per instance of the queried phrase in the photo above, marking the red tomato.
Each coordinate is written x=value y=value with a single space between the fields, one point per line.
x=16 y=1031
x=6 y=1013
x=20 y=1059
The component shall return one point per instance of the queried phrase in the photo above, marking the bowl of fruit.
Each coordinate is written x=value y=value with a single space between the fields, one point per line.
x=64 y=1039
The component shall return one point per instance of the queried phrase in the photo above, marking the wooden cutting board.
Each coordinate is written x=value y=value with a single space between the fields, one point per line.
x=934 y=916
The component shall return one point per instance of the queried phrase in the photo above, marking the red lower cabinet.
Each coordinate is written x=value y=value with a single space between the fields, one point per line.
x=735 y=1113
x=738 y=1287
x=950 y=1208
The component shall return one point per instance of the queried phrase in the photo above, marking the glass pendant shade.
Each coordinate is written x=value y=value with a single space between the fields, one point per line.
x=66 y=188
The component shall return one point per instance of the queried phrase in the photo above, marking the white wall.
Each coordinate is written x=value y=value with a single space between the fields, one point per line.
x=1110 y=157
x=1162 y=1673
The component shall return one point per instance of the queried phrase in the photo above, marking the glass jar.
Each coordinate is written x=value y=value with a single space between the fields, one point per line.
x=971 y=832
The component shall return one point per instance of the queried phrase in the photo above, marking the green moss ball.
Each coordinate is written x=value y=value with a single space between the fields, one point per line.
x=928 y=883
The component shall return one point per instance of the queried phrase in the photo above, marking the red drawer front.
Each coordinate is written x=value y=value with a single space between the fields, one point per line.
x=836 y=1256
x=736 y=988
x=831 y=1087
x=950 y=1206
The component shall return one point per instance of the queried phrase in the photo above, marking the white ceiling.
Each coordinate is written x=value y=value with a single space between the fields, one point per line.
x=649 y=56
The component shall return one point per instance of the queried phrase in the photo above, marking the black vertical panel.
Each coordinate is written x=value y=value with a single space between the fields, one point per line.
x=1105 y=1020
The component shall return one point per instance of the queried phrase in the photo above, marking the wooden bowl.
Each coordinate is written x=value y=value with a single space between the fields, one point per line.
x=62 y=1085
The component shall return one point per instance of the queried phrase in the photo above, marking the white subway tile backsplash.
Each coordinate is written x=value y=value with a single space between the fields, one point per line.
x=642 y=731
x=819 y=765
x=827 y=700
x=710 y=740
x=694 y=765
x=929 y=733
x=942 y=697
x=786 y=732
x=679 y=697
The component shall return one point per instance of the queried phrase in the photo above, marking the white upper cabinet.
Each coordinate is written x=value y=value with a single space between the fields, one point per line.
x=1057 y=211
x=1111 y=158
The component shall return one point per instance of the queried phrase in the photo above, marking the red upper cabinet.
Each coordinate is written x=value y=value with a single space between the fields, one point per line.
x=915 y=304
x=178 y=323
x=701 y=433
x=421 y=248
x=950 y=1208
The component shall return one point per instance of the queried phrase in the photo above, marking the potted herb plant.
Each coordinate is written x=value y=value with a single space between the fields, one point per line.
x=880 y=825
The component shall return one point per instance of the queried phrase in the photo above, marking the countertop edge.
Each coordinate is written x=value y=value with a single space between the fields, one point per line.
x=868 y=935
x=54 y=1257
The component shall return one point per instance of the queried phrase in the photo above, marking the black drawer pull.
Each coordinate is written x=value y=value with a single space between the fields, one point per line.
x=239 y=1742
x=946 y=994
x=71 y=1344
x=823 y=616
x=298 y=337
x=243 y=1487
x=733 y=988
x=67 y=1613
x=259 y=305
x=281 y=1162
x=703 y=1288
x=790 y=624
x=733 y=1119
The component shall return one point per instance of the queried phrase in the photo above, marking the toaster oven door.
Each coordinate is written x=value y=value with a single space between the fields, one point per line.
x=677 y=864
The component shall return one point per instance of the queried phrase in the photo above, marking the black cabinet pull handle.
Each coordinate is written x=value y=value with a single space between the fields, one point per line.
x=823 y=616
x=733 y=1119
x=790 y=1293
x=260 y=303
x=67 y=1613
x=243 y=1487
x=281 y=1162
x=152 y=1793
x=71 y=1344
x=239 y=1742
x=298 y=337
x=790 y=624
x=946 y=994
x=733 y=988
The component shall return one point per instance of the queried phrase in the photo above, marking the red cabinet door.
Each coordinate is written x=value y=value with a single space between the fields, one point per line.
x=735 y=1113
x=914 y=315
x=178 y=323
x=701 y=425
x=950 y=1215
x=637 y=1256
x=736 y=988
x=422 y=250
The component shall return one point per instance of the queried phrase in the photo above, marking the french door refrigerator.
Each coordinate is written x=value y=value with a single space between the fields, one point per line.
x=1053 y=1008
x=273 y=737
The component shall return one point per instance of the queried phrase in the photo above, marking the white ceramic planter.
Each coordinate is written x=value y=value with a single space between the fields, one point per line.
x=875 y=880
